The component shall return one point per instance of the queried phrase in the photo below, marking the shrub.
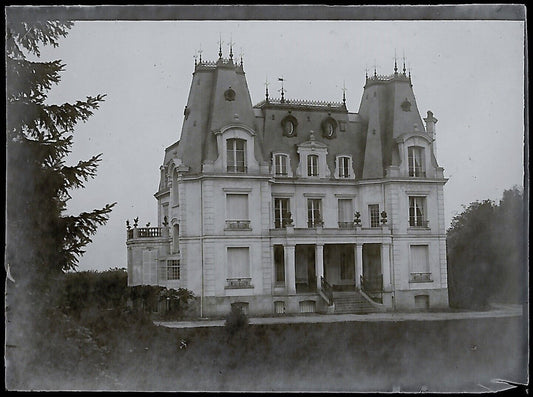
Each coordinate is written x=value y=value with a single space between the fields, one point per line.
x=236 y=321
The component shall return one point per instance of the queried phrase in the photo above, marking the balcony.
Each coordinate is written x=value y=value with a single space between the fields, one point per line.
x=418 y=277
x=240 y=282
x=147 y=232
x=383 y=230
x=238 y=225
x=346 y=225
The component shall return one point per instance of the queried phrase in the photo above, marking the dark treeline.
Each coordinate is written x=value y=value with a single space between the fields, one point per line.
x=487 y=253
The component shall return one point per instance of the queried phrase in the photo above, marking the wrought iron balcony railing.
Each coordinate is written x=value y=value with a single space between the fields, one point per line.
x=422 y=223
x=420 y=277
x=238 y=225
x=237 y=169
x=346 y=225
x=239 y=282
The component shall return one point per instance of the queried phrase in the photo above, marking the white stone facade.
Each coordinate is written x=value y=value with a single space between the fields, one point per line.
x=224 y=230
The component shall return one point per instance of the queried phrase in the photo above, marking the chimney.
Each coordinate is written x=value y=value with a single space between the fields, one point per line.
x=430 y=128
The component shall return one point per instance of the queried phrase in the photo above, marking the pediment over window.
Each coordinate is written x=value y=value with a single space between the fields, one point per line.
x=312 y=143
x=413 y=135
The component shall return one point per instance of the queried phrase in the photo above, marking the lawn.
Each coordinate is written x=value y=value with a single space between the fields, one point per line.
x=442 y=356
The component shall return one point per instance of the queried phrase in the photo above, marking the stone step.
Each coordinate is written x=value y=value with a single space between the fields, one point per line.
x=352 y=302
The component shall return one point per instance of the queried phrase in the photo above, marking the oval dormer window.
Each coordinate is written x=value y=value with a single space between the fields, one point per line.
x=330 y=130
x=289 y=128
x=289 y=125
x=329 y=127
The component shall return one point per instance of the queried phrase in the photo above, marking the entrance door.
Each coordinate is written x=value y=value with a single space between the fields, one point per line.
x=373 y=278
x=305 y=268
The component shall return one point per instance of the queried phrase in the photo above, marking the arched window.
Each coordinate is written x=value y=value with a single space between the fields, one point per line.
x=236 y=155
x=416 y=161
x=312 y=165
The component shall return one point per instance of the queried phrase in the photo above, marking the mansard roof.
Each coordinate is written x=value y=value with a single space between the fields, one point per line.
x=219 y=98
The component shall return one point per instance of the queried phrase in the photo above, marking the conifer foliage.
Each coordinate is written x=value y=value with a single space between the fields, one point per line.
x=41 y=239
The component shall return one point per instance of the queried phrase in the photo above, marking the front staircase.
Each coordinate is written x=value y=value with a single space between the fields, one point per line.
x=352 y=302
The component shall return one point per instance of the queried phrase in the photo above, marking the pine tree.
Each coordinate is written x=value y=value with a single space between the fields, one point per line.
x=41 y=239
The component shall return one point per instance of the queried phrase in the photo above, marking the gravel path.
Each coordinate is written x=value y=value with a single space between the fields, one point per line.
x=497 y=311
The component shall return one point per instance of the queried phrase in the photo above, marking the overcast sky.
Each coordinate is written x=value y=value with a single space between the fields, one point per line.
x=469 y=73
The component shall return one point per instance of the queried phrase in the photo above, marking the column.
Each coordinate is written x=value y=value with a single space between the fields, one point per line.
x=385 y=266
x=290 y=270
x=319 y=263
x=358 y=264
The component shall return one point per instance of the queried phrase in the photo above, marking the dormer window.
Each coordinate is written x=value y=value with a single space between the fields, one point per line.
x=281 y=165
x=329 y=127
x=236 y=155
x=289 y=128
x=289 y=124
x=312 y=165
x=416 y=161
x=344 y=167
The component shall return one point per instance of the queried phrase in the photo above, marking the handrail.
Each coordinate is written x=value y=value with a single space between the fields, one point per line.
x=373 y=286
x=327 y=289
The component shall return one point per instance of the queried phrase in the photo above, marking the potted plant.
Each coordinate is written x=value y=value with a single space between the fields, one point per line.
x=383 y=218
x=289 y=223
x=164 y=229
x=357 y=219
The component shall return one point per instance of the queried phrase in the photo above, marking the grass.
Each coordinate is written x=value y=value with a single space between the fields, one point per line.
x=119 y=351
x=454 y=355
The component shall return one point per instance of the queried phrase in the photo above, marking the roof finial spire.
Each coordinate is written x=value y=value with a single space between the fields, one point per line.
x=231 y=48
x=344 y=93
x=375 y=71
x=395 y=64
x=366 y=72
x=220 y=45
x=241 y=54
x=266 y=88
x=282 y=90
x=200 y=52
x=195 y=56
x=403 y=63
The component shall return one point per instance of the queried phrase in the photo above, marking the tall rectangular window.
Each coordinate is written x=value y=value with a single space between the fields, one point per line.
x=312 y=165
x=344 y=167
x=279 y=264
x=419 y=266
x=236 y=155
x=173 y=269
x=281 y=212
x=238 y=262
x=280 y=165
x=345 y=213
x=417 y=217
x=373 y=210
x=416 y=161
x=314 y=218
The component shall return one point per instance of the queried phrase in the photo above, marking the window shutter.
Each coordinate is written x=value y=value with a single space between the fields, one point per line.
x=237 y=206
x=419 y=259
x=345 y=210
x=238 y=262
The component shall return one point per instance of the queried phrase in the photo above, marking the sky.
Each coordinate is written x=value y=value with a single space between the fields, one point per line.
x=470 y=74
